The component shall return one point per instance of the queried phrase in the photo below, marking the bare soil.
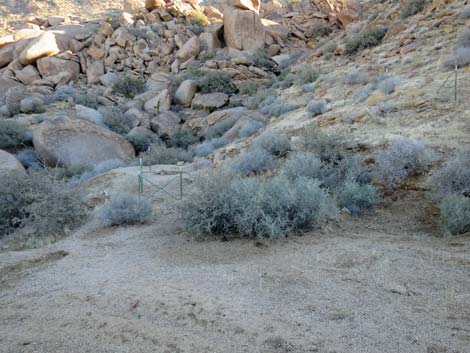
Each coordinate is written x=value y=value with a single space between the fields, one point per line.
x=386 y=282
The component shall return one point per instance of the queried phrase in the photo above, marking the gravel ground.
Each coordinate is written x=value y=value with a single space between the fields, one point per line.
x=382 y=283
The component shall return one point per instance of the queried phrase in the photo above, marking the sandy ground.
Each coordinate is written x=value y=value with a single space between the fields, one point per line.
x=383 y=283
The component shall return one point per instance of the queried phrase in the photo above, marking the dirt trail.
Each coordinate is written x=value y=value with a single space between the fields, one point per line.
x=382 y=283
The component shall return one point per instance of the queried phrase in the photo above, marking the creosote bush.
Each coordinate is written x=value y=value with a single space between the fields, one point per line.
x=366 y=39
x=250 y=128
x=412 y=7
x=116 y=120
x=216 y=81
x=98 y=169
x=326 y=145
x=273 y=106
x=320 y=29
x=183 y=138
x=129 y=86
x=13 y=135
x=404 y=158
x=388 y=85
x=142 y=142
x=223 y=204
x=125 y=209
x=38 y=208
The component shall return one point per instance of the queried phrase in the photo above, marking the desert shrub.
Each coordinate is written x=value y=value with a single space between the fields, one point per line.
x=223 y=204
x=13 y=135
x=460 y=58
x=32 y=105
x=201 y=164
x=412 y=7
x=183 y=138
x=69 y=172
x=249 y=88
x=384 y=108
x=320 y=29
x=69 y=93
x=255 y=101
x=363 y=93
x=13 y=98
x=463 y=40
x=125 y=209
x=388 y=85
x=263 y=59
x=285 y=80
x=327 y=145
x=357 y=78
x=250 y=128
x=307 y=74
x=142 y=142
x=278 y=145
x=253 y=162
x=366 y=39
x=453 y=177
x=98 y=169
x=404 y=158
x=273 y=106
x=29 y=160
x=219 y=129
x=38 y=208
x=308 y=88
x=455 y=214
x=207 y=147
x=216 y=81
x=198 y=18
x=316 y=108
x=330 y=174
x=465 y=14
x=116 y=120
x=129 y=86
x=160 y=154
x=357 y=197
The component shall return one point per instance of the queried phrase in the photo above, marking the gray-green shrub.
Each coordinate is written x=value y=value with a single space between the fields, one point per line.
x=222 y=205
x=273 y=106
x=183 y=138
x=125 y=209
x=277 y=145
x=142 y=142
x=253 y=162
x=412 y=7
x=388 y=85
x=402 y=159
x=129 y=86
x=316 y=107
x=454 y=176
x=38 y=208
x=216 y=81
x=455 y=214
x=368 y=38
x=116 y=120
x=327 y=145
x=250 y=128
x=13 y=135
x=207 y=147
x=357 y=197
x=160 y=154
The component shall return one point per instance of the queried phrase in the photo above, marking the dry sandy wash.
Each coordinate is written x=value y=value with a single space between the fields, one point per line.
x=384 y=283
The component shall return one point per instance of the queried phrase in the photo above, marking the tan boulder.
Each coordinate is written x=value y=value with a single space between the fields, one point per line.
x=160 y=103
x=58 y=70
x=243 y=29
x=185 y=93
x=151 y=5
x=28 y=75
x=6 y=54
x=210 y=101
x=252 y=5
x=76 y=142
x=94 y=71
x=9 y=164
x=133 y=6
x=190 y=49
x=165 y=123
x=41 y=46
x=210 y=42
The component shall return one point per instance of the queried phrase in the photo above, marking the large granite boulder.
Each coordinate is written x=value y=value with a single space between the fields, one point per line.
x=9 y=164
x=243 y=29
x=76 y=142
x=39 y=47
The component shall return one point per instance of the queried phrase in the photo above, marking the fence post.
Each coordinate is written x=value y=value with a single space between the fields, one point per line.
x=455 y=84
x=141 y=178
x=181 y=183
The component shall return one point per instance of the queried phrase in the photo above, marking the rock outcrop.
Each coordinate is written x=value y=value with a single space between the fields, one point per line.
x=9 y=164
x=75 y=142
x=243 y=29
